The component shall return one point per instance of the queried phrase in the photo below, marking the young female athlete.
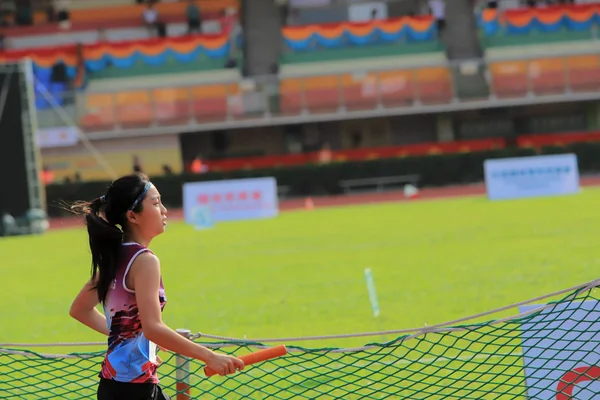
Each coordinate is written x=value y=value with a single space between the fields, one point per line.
x=126 y=279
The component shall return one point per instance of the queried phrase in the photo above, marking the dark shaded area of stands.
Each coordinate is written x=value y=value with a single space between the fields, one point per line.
x=14 y=197
x=262 y=22
x=462 y=43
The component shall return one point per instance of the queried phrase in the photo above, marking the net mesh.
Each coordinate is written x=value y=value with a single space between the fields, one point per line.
x=548 y=351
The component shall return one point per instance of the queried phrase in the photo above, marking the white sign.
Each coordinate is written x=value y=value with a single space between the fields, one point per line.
x=309 y=3
x=57 y=137
x=514 y=178
x=560 y=351
x=232 y=200
x=202 y=217
x=364 y=12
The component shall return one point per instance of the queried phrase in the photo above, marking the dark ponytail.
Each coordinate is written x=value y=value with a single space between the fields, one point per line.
x=106 y=221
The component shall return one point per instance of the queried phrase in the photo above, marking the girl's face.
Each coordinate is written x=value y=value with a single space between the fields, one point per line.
x=152 y=220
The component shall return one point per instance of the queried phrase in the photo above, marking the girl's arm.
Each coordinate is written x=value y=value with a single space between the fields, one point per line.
x=84 y=309
x=145 y=281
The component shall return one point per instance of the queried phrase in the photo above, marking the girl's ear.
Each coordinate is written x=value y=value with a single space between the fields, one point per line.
x=131 y=217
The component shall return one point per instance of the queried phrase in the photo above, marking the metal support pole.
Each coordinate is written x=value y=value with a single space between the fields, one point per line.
x=182 y=373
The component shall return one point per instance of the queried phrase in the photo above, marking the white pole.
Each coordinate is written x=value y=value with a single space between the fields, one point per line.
x=372 y=292
x=182 y=373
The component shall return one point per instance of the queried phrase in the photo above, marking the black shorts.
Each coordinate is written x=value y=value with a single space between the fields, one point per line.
x=113 y=390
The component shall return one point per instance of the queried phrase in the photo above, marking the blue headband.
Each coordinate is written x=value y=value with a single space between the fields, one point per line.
x=141 y=196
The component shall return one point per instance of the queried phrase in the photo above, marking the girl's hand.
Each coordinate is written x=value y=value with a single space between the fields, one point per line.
x=224 y=364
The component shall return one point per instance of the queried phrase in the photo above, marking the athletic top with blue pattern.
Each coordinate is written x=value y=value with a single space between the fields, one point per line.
x=130 y=356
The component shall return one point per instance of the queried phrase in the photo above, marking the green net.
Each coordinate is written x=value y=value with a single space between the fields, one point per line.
x=547 y=351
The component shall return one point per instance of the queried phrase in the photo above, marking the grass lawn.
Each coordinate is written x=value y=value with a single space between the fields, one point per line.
x=301 y=274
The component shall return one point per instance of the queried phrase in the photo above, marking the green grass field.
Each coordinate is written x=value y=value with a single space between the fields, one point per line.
x=301 y=274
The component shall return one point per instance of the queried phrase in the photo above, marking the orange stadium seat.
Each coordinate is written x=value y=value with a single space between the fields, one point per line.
x=133 y=11
x=164 y=106
x=291 y=96
x=318 y=94
x=434 y=85
x=509 y=78
x=172 y=105
x=360 y=91
x=364 y=91
x=118 y=16
x=397 y=87
x=584 y=73
x=134 y=108
x=547 y=75
x=211 y=102
x=322 y=93
x=99 y=112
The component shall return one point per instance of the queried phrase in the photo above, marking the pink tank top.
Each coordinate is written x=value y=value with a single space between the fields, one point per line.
x=130 y=356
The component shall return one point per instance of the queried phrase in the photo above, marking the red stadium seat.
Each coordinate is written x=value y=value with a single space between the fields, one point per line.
x=434 y=85
x=509 y=78
x=322 y=93
x=548 y=76
x=397 y=87
x=134 y=109
x=584 y=73
x=168 y=106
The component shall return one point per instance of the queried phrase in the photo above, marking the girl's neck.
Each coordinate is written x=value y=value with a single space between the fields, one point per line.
x=136 y=239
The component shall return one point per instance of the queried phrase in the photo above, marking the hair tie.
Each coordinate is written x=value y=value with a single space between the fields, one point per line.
x=103 y=199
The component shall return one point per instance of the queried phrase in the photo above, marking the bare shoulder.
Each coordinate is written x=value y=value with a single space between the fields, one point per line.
x=148 y=257
x=145 y=272
x=147 y=262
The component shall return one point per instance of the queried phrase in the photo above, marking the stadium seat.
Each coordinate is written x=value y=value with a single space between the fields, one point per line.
x=397 y=87
x=210 y=102
x=99 y=112
x=509 y=78
x=124 y=15
x=548 y=76
x=134 y=108
x=584 y=73
x=323 y=93
x=134 y=11
x=164 y=106
x=434 y=85
x=173 y=105
x=365 y=91
x=359 y=91
x=291 y=96
x=317 y=94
